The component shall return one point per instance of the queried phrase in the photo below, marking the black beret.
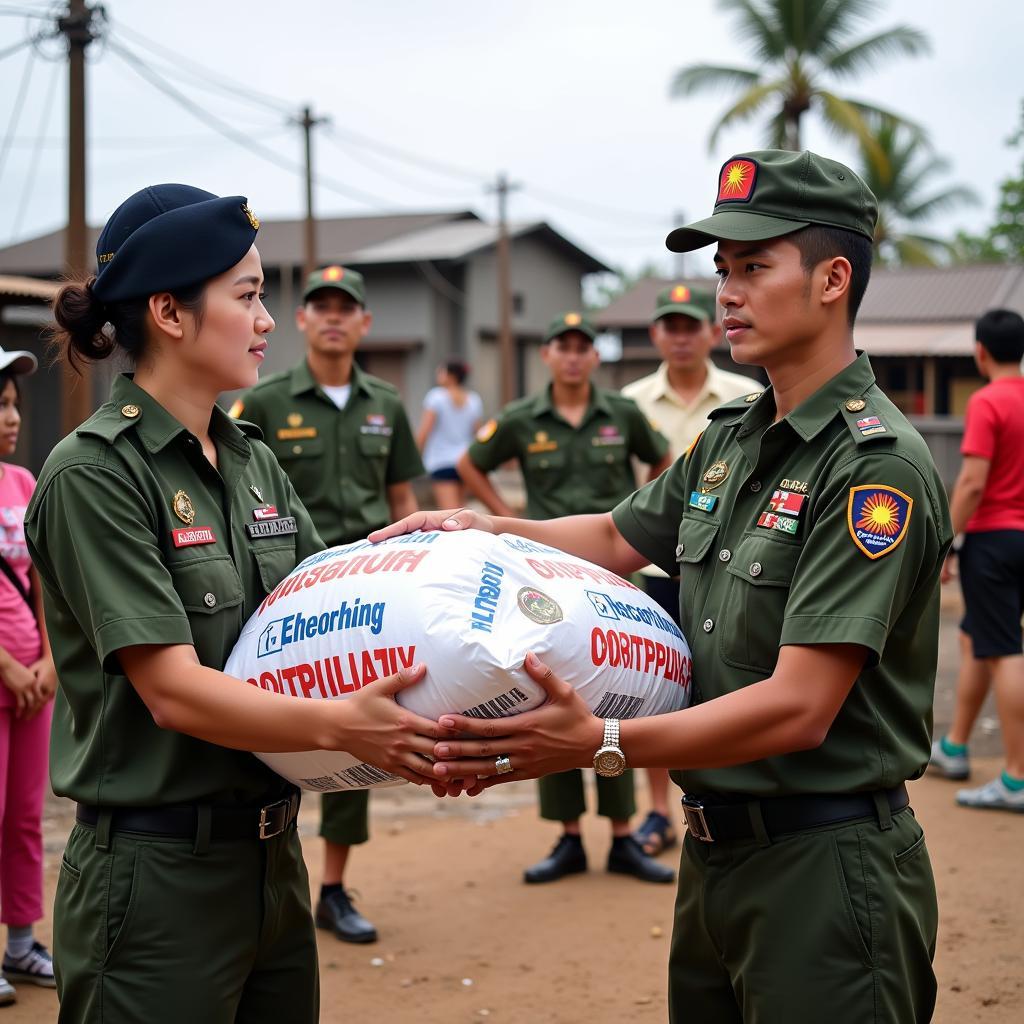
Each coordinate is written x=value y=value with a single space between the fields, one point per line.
x=168 y=237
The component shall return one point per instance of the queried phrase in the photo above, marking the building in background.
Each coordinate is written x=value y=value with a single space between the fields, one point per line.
x=432 y=285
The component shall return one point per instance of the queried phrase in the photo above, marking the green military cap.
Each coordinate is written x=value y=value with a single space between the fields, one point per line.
x=340 y=279
x=681 y=298
x=772 y=192
x=570 y=321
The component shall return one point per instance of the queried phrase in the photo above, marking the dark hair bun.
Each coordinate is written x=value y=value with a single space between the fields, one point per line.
x=80 y=318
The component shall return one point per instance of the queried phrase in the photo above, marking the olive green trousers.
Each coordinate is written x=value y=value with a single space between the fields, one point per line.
x=835 y=924
x=345 y=817
x=146 y=929
x=562 y=797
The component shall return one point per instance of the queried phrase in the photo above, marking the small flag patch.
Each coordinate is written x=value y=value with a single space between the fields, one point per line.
x=773 y=521
x=787 y=502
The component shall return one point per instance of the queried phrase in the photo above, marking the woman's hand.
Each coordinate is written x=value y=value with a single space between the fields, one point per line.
x=559 y=735
x=22 y=683
x=448 y=520
x=374 y=727
x=46 y=678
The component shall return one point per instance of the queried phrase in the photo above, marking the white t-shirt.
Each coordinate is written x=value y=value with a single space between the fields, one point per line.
x=338 y=394
x=453 y=428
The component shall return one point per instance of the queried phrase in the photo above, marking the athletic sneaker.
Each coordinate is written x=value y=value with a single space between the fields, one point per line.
x=952 y=766
x=35 y=967
x=7 y=993
x=994 y=796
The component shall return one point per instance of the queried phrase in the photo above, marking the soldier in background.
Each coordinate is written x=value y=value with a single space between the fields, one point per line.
x=677 y=397
x=344 y=440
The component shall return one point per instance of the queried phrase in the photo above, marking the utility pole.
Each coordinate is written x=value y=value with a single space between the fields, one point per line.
x=80 y=25
x=307 y=122
x=502 y=188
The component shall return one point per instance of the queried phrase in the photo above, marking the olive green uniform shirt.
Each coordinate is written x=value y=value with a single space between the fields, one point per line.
x=341 y=461
x=101 y=531
x=570 y=470
x=850 y=566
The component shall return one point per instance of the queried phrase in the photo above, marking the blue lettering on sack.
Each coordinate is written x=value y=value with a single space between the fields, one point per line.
x=610 y=608
x=486 y=604
x=297 y=627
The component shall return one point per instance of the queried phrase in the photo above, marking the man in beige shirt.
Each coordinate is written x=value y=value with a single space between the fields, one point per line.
x=677 y=398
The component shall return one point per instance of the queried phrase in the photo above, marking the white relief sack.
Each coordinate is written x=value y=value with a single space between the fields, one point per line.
x=469 y=605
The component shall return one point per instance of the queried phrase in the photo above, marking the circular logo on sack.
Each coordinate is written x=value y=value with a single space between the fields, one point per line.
x=538 y=607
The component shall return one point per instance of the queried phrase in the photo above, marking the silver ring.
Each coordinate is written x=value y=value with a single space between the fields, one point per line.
x=502 y=765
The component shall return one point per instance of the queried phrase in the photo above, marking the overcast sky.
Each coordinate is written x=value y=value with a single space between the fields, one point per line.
x=570 y=97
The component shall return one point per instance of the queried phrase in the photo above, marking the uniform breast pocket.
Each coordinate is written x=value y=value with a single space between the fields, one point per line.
x=275 y=559
x=211 y=594
x=696 y=537
x=760 y=572
x=545 y=470
x=609 y=469
x=303 y=461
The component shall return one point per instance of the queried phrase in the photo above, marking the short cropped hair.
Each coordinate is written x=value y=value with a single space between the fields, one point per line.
x=1001 y=332
x=818 y=242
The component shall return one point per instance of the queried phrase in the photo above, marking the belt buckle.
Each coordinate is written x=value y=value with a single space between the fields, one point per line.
x=696 y=823
x=273 y=819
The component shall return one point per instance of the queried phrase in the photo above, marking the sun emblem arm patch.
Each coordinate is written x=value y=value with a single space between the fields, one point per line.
x=486 y=432
x=878 y=517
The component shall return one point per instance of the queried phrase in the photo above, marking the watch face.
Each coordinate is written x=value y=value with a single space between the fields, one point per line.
x=609 y=763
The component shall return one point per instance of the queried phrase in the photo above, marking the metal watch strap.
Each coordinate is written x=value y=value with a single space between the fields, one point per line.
x=611 y=733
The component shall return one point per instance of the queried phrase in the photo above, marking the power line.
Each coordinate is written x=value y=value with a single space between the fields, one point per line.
x=33 y=168
x=12 y=50
x=206 y=77
x=19 y=103
x=593 y=209
x=254 y=147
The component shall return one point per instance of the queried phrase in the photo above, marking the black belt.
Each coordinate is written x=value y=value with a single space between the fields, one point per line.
x=717 y=818
x=181 y=821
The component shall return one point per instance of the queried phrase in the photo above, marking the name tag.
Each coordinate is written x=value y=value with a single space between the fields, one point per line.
x=703 y=502
x=188 y=536
x=377 y=429
x=272 y=527
x=295 y=433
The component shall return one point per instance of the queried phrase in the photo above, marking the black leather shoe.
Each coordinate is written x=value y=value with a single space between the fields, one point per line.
x=567 y=858
x=335 y=913
x=627 y=857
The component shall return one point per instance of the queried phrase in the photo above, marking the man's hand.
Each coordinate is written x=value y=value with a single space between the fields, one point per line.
x=559 y=735
x=449 y=520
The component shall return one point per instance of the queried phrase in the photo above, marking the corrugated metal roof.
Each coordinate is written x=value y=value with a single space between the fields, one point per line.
x=28 y=287
x=460 y=239
x=280 y=241
x=905 y=295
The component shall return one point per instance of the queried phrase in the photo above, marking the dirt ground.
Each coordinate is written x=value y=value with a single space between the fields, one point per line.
x=463 y=940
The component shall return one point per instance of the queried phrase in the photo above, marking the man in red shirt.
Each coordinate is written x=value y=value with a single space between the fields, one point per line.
x=987 y=507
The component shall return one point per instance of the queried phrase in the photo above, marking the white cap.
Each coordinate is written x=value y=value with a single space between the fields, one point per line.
x=18 y=362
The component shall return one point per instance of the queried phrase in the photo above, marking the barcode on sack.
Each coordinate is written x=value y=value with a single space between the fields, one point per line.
x=619 y=705
x=325 y=783
x=501 y=706
x=366 y=775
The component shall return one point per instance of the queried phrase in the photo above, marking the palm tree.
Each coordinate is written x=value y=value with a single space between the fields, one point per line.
x=904 y=201
x=800 y=45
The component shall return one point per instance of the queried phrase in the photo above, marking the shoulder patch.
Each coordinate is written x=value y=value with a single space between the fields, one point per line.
x=486 y=432
x=692 y=445
x=878 y=517
x=236 y=409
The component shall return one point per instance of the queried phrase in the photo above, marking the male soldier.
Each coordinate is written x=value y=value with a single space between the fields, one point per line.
x=678 y=397
x=987 y=506
x=810 y=526
x=343 y=438
x=573 y=442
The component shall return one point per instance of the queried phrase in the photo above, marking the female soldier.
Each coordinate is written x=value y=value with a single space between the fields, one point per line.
x=182 y=893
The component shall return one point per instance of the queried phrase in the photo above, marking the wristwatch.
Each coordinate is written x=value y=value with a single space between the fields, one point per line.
x=610 y=761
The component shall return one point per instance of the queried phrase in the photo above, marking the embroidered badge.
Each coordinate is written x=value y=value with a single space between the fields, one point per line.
x=680 y=293
x=295 y=419
x=736 y=181
x=714 y=476
x=787 y=502
x=486 y=432
x=878 y=517
x=541 y=443
x=693 y=444
x=236 y=409
x=573 y=319
x=183 y=508
x=703 y=502
x=773 y=521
